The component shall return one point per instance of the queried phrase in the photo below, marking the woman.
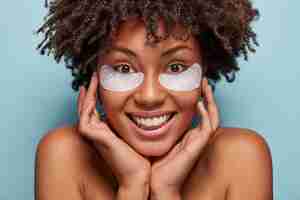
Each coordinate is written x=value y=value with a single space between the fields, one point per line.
x=148 y=63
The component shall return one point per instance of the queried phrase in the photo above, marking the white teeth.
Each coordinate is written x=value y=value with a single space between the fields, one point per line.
x=151 y=121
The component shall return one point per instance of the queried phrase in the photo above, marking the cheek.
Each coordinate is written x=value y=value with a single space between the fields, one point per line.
x=187 y=101
x=113 y=102
x=186 y=104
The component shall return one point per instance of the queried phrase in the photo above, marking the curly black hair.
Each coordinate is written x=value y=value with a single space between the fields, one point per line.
x=80 y=30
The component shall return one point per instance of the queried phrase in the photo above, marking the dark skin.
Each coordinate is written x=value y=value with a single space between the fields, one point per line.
x=228 y=163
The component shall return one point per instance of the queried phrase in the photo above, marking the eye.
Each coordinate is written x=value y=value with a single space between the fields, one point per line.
x=176 y=68
x=123 y=68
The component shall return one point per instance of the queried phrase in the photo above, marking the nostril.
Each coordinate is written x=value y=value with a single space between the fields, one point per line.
x=150 y=95
x=149 y=100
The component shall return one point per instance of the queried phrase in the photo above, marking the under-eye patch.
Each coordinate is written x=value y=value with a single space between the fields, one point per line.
x=185 y=81
x=114 y=80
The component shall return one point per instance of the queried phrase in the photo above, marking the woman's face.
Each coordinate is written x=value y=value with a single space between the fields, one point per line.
x=150 y=98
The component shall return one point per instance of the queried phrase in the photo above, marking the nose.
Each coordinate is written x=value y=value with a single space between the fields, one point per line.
x=150 y=95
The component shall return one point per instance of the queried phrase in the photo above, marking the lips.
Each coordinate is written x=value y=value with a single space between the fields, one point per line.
x=150 y=113
x=152 y=132
x=150 y=121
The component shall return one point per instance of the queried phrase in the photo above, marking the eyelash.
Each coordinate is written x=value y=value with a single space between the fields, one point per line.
x=184 y=67
x=117 y=67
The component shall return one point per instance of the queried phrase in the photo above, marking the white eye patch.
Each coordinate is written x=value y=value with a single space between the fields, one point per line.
x=119 y=82
x=186 y=81
x=114 y=80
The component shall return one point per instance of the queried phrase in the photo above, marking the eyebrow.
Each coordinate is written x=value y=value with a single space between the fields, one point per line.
x=174 y=49
x=164 y=54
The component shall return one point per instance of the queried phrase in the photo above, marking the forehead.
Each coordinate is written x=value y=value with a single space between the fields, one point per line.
x=132 y=34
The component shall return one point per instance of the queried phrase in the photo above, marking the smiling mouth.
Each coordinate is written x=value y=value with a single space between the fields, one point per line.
x=151 y=123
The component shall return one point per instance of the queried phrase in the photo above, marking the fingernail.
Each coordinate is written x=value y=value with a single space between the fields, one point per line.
x=200 y=104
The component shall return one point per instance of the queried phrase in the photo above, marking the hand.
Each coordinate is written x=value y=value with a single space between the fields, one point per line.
x=127 y=165
x=183 y=156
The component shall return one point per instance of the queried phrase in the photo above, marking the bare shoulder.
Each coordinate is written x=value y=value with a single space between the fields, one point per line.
x=237 y=144
x=65 y=149
x=65 y=143
x=241 y=139
x=65 y=138
x=68 y=143
x=243 y=157
x=58 y=136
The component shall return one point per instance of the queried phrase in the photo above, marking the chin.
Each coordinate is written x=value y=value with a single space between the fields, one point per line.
x=153 y=150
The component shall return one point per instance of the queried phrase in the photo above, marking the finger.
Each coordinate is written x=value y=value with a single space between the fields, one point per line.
x=196 y=139
x=94 y=118
x=86 y=113
x=91 y=93
x=105 y=135
x=212 y=109
x=93 y=128
x=205 y=124
x=80 y=99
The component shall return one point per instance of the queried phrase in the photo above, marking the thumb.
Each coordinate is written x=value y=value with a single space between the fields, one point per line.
x=203 y=114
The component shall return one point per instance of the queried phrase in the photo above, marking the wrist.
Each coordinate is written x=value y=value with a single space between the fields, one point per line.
x=164 y=188
x=164 y=194
x=134 y=191
x=138 y=180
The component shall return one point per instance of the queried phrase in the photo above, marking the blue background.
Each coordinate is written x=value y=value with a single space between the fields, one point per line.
x=36 y=95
